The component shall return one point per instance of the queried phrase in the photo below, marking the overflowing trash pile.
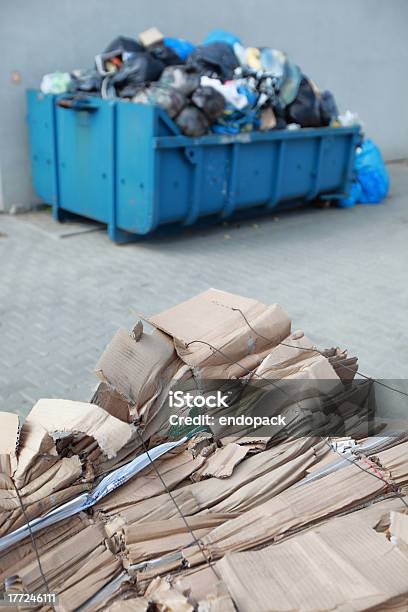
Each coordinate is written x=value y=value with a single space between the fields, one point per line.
x=218 y=86
x=129 y=511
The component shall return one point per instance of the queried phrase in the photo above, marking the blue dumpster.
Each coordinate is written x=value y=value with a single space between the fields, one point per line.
x=128 y=165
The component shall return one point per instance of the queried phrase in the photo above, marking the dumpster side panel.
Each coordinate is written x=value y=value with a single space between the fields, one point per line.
x=42 y=140
x=335 y=175
x=217 y=175
x=175 y=185
x=86 y=154
x=193 y=182
x=198 y=181
x=298 y=168
x=137 y=169
x=255 y=176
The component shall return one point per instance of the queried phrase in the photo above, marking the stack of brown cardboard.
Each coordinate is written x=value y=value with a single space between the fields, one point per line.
x=241 y=520
x=59 y=450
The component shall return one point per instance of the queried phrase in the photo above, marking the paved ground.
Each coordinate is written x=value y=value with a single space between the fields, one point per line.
x=340 y=274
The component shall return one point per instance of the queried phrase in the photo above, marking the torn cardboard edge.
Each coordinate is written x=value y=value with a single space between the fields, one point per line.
x=9 y=442
x=65 y=417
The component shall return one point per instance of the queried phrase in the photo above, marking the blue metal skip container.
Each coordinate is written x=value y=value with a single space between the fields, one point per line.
x=128 y=166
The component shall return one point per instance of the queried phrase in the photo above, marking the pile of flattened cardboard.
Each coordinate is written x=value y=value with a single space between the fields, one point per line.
x=110 y=506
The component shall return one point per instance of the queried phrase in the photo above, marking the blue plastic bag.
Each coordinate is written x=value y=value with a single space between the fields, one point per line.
x=219 y=35
x=372 y=174
x=234 y=121
x=372 y=181
x=182 y=47
x=354 y=197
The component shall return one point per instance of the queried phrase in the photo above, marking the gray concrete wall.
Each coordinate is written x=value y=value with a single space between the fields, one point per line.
x=356 y=48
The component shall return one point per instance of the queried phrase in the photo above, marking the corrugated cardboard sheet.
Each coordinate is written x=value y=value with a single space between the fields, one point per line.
x=216 y=524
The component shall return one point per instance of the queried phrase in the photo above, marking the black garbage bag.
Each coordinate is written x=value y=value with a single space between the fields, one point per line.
x=328 y=107
x=139 y=69
x=120 y=50
x=192 y=121
x=85 y=80
x=210 y=101
x=165 y=55
x=216 y=59
x=280 y=123
x=305 y=108
x=168 y=98
x=123 y=44
x=280 y=117
x=183 y=78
